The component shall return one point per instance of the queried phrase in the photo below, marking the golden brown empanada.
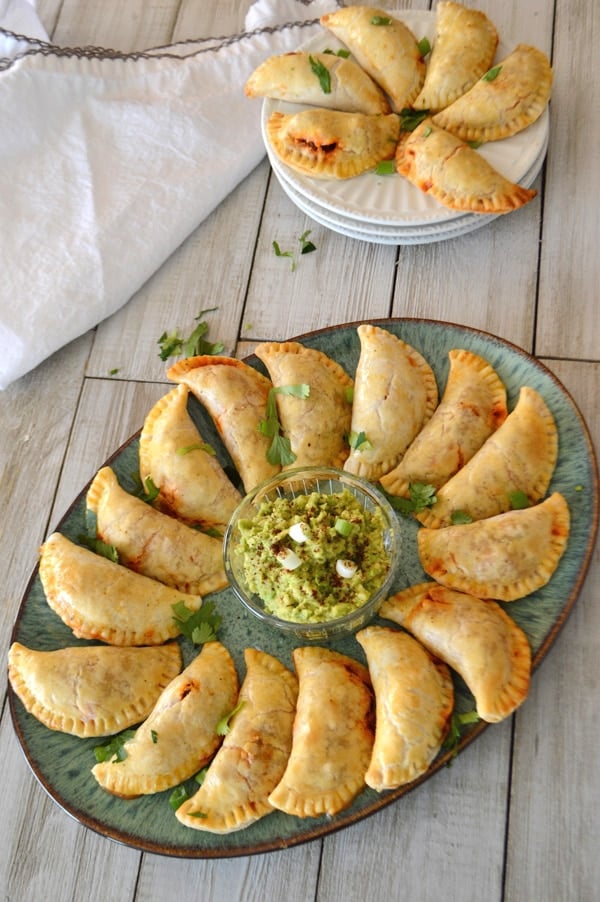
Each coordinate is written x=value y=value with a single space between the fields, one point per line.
x=235 y=395
x=440 y=164
x=414 y=698
x=506 y=100
x=329 y=144
x=254 y=753
x=295 y=77
x=91 y=690
x=472 y=407
x=463 y=50
x=317 y=425
x=333 y=735
x=504 y=557
x=519 y=456
x=395 y=393
x=476 y=638
x=385 y=48
x=180 y=735
x=193 y=485
x=99 y=599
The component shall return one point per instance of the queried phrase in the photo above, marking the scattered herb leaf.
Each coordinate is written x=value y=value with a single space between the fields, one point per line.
x=358 y=441
x=341 y=52
x=223 y=726
x=100 y=547
x=322 y=73
x=172 y=343
x=381 y=20
x=199 y=446
x=421 y=495
x=306 y=246
x=459 y=518
x=385 y=167
x=424 y=46
x=280 y=451
x=518 y=500
x=280 y=253
x=491 y=74
x=457 y=722
x=198 y=626
x=113 y=750
x=146 y=490
x=154 y=736
x=409 y=119
x=114 y=371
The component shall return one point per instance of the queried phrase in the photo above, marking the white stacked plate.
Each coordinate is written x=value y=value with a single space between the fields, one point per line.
x=387 y=209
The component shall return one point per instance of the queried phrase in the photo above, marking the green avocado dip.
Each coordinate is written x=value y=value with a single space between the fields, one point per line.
x=313 y=558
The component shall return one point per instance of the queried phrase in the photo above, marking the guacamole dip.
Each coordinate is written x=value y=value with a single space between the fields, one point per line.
x=313 y=557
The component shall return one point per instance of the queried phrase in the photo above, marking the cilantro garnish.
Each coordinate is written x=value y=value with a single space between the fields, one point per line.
x=198 y=446
x=198 y=626
x=381 y=20
x=341 y=52
x=358 y=441
x=385 y=167
x=172 y=343
x=424 y=46
x=223 y=726
x=280 y=450
x=491 y=74
x=421 y=495
x=322 y=73
x=409 y=119
x=457 y=722
x=306 y=247
x=100 y=547
x=459 y=518
x=154 y=736
x=518 y=500
x=114 y=749
x=146 y=490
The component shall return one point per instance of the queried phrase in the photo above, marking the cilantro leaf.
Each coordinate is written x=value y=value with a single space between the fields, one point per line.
x=409 y=119
x=424 y=46
x=322 y=73
x=459 y=518
x=457 y=723
x=114 y=750
x=198 y=626
x=280 y=449
x=173 y=344
x=223 y=726
x=306 y=246
x=421 y=495
x=147 y=490
x=100 y=547
x=381 y=20
x=358 y=441
x=518 y=500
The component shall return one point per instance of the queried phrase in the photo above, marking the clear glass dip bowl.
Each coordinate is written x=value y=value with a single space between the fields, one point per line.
x=304 y=481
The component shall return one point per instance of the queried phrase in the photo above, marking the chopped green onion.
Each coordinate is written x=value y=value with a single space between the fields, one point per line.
x=409 y=119
x=424 y=46
x=385 y=167
x=344 y=527
x=518 y=500
x=322 y=73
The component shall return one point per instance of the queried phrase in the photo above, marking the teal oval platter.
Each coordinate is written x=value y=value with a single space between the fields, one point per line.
x=62 y=763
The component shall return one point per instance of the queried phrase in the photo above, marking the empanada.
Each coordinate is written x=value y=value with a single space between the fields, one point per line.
x=99 y=599
x=180 y=735
x=235 y=395
x=476 y=638
x=463 y=50
x=329 y=144
x=414 y=698
x=472 y=407
x=319 y=79
x=91 y=690
x=506 y=100
x=519 y=456
x=254 y=753
x=504 y=557
x=333 y=734
x=385 y=48
x=193 y=485
x=317 y=425
x=395 y=394
x=440 y=164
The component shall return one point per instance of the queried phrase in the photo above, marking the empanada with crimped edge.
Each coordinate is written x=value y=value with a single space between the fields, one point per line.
x=317 y=426
x=92 y=690
x=395 y=394
x=193 y=485
x=520 y=456
x=414 y=697
x=455 y=174
x=99 y=599
x=330 y=144
x=152 y=543
x=504 y=557
x=463 y=49
x=292 y=77
x=385 y=48
x=235 y=395
x=254 y=753
x=179 y=736
x=333 y=734
x=475 y=638
x=473 y=406
x=503 y=104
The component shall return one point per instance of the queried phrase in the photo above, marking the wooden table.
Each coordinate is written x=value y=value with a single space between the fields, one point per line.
x=516 y=817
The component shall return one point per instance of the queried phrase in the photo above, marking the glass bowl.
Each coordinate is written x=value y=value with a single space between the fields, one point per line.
x=239 y=550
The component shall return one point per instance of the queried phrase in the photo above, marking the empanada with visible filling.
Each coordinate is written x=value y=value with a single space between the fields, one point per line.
x=504 y=557
x=295 y=77
x=440 y=164
x=333 y=734
x=317 y=426
x=180 y=734
x=99 y=599
x=193 y=485
x=464 y=45
x=395 y=394
x=476 y=638
x=511 y=96
x=235 y=395
x=385 y=48
x=414 y=697
x=91 y=690
x=519 y=456
x=153 y=544
x=329 y=144
x=472 y=407
x=254 y=753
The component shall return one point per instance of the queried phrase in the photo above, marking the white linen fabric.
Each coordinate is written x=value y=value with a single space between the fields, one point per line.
x=108 y=161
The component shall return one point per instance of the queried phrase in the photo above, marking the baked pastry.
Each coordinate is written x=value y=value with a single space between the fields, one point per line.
x=476 y=638
x=330 y=144
x=395 y=393
x=254 y=753
x=320 y=79
x=92 y=690
x=180 y=734
x=414 y=698
x=504 y=557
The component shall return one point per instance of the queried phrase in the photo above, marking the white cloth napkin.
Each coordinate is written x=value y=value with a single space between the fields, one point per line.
x=109 y=161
